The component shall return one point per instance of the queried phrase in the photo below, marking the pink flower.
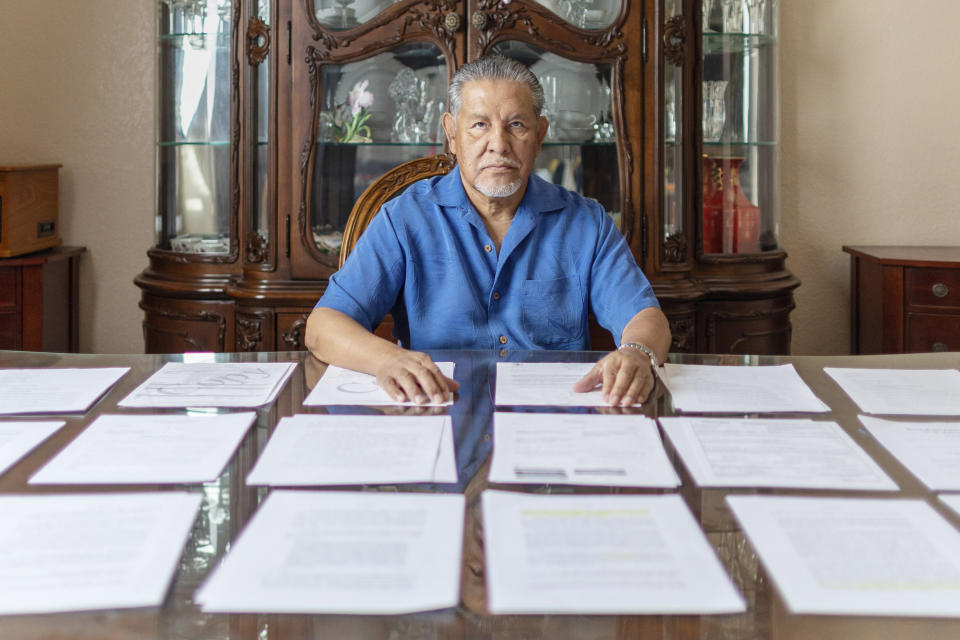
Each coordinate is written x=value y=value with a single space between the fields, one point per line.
x=359 y=98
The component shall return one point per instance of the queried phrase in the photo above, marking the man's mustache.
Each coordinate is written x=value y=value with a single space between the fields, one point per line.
x=500 y=163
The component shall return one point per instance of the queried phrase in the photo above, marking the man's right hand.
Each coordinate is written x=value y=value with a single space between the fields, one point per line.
x=413 y=376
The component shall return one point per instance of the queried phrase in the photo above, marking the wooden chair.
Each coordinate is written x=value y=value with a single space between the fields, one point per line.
x=391 y=184
x=386 y=187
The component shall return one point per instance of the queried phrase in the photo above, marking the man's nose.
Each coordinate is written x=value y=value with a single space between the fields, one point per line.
x=499 y=138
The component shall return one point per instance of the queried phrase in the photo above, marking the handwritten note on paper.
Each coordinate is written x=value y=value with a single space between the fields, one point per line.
x=343 y=386
x=54 y=390
x=216 y=384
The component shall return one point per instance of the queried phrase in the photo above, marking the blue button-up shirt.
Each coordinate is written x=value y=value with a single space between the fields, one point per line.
x=427 y=258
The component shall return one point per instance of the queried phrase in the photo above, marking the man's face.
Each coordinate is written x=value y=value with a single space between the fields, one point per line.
x=496 y=136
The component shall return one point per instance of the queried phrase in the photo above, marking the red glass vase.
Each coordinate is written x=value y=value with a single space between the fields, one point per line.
x=731 y=223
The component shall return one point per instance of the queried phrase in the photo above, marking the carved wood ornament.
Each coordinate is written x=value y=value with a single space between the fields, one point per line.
x=258 y=40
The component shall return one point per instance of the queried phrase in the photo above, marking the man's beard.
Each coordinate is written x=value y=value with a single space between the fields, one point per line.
x=498 y=190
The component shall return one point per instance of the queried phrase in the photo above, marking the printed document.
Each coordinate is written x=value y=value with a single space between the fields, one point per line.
x=317 y=449
x=855 y=556
x=701 y=388
x=79 y=552
x=799 y=454
x=929 y=450
x=17 y=439
x=919 y=392
x=584 y=449
x=544 y=383
x=343 y=552
x=600 y=554
x=139 y=449
x=211 y=384
x=345 y=386
x=55 y=390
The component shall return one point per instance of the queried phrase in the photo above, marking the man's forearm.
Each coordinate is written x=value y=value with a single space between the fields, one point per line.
x=338 y=339
x=649 y=327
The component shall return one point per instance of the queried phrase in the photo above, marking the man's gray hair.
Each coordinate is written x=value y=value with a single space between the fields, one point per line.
x=493 y=67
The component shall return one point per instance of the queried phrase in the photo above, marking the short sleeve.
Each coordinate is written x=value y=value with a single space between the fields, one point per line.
x=367 y=285
x=618 y=288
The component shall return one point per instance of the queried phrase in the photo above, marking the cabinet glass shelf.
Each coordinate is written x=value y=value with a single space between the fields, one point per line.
x=195 y=143
x=728 y=43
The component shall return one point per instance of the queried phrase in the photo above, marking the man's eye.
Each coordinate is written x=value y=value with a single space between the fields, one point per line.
x=517 y=124
x=479 y=125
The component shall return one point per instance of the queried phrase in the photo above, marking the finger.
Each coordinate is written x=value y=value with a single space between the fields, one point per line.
x=589 y=381
x=637 y=389
x=434 y=383
x=393 y=389
x=610 y=372
x=411 y=386
x=622 y=381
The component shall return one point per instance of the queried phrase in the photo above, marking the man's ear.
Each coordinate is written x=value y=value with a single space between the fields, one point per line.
x=542 y=128
x=449 y=128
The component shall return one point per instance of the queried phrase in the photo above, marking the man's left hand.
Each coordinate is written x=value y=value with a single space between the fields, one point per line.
x=627 y=378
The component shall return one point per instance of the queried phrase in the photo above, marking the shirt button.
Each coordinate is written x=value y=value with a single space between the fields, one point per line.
x=503 y=339
x=496 y=295
x=487 y=248
x=503 y=352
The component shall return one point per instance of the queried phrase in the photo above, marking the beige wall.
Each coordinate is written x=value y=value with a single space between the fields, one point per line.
x=870 y=124
x=869 y=129
x=77 y=87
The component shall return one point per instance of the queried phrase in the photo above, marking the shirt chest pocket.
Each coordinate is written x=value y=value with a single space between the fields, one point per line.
x=553 y=311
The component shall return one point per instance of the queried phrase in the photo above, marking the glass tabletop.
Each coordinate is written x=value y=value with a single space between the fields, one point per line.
x=228 y=503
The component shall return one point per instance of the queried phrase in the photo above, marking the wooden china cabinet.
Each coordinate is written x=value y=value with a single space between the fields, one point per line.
x=663 y=110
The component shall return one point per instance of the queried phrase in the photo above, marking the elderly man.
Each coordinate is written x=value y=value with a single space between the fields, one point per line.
x=489 y=256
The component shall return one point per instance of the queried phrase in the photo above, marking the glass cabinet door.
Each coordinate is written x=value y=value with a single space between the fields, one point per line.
x=674 y=141
x=580 y=150
x=374 y=114
x=585 y=14
x=740 y=161
x=193 y=146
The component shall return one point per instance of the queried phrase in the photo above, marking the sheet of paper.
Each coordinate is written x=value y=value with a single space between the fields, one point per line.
x=54 y=390
x=800 y=454
x=343 y=386
x=855 y=556
x=211 y=384
x=952 y=500
x=544 y=383
x=343 y=552
x=81 y=552
x=583 y=449
x=919 y=392
x=17 y=439
x=700 y=388
x=138 y=449
x=600 y=554
x=312 y=450
x=929 y=450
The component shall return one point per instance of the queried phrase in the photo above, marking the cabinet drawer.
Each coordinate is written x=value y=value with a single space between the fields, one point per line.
x=932 y=287
x=932 y=332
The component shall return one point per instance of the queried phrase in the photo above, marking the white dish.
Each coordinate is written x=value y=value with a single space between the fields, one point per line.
x=569 y=86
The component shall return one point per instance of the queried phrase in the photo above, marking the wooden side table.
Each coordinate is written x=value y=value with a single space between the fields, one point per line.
x=38 y=301
x=904 y=299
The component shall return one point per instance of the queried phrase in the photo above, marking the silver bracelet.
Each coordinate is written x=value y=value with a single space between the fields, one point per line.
x=639 y=346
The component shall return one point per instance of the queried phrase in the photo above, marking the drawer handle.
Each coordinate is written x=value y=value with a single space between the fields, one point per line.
x=939 y=346
x=940 y=290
